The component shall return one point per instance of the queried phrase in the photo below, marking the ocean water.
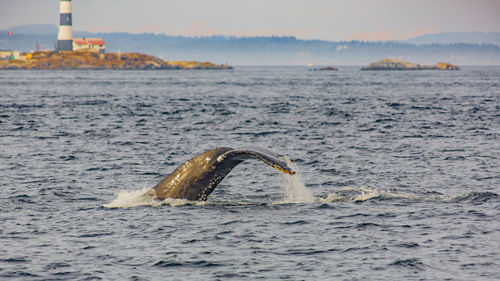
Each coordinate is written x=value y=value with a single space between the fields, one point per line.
x=399 y=175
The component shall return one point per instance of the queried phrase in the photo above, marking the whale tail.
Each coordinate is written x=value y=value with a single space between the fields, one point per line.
x=267 y=156
x=198 y=177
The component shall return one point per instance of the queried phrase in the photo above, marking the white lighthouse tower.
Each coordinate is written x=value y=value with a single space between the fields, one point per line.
x=65 y=35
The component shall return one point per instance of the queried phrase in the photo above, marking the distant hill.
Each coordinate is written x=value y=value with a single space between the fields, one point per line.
x=264 y=50
x=34 y=29
x=457 y=37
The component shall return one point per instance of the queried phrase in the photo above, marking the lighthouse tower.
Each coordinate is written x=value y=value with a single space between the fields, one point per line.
x=65 y=35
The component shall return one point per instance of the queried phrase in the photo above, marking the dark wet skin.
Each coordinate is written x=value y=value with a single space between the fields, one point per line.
x=198 y=177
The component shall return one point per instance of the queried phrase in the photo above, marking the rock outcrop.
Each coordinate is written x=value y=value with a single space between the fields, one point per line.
x=327 y=68
x=397 y=64
x=94 y=60
x=446 y=66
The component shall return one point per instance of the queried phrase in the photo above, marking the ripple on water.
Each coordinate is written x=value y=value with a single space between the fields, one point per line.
x=399 y=175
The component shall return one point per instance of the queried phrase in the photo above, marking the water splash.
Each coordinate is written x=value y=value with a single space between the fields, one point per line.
x=295 y=190
x=145 y=197
x=134 y=198
x=354 y=194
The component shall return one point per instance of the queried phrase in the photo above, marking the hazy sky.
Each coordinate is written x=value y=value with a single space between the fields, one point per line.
x=309 y=19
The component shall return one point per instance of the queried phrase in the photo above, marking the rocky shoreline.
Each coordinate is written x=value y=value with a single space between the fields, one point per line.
x=396 y=64
x=63 y=60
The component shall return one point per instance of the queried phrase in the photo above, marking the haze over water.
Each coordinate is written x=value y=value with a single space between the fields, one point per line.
x=400 y=175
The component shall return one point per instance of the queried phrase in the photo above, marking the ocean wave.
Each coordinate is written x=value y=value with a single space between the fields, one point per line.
x=474 y=197
x=361 y=194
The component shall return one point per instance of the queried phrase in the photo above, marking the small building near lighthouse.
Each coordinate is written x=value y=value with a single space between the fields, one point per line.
x=90 y=44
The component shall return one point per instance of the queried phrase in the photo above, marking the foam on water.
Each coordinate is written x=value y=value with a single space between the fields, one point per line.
x=134 y=198
x=360 y=194
x=355 y=194
x=145 y=197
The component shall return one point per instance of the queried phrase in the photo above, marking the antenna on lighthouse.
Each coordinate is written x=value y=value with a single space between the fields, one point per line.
x=65 y=35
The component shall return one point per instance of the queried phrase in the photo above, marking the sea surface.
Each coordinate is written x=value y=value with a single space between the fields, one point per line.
x=399 y=175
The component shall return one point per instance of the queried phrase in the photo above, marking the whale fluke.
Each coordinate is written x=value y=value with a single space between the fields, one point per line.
x=198 y=177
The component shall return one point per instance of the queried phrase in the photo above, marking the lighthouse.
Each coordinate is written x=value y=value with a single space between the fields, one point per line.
x=65 y=35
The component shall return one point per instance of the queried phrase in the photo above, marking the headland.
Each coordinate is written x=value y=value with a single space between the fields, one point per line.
x=84 y=59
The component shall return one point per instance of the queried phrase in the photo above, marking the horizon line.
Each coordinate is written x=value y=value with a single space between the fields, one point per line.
x=253 y=36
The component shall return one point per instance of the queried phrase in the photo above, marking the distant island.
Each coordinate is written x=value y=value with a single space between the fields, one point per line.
x=326 y=68
x=59 y=60
x=397 y=64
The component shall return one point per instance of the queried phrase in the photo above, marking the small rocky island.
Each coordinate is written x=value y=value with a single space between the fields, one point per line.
x=85 y=59
x=397 y=64
x=326 y=68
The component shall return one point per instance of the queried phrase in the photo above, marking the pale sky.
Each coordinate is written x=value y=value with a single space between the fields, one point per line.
x=308 y=19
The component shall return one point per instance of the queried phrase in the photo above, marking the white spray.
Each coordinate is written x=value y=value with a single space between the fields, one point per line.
x=146 y=197
x=295 y=190
x=134 y=198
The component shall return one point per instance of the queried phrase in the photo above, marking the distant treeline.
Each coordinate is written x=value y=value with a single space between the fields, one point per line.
x=272 y=50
